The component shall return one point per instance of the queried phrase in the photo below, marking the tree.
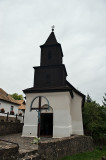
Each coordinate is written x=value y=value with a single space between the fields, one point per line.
x=88 y=98
x=94 y=119
x=16 y=96
x=104 y=101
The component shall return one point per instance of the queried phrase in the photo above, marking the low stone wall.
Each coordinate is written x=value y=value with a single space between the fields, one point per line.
x=57 y=148
x=8 y=151
x=10 y=128
x=48 y=149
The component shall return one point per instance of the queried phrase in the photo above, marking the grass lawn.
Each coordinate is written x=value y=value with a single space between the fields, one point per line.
x=95 y=155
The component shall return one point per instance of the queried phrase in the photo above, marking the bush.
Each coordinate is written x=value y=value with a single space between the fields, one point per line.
x=94 y=120
x=2 y=110
x=12 y=112
x=20 y=114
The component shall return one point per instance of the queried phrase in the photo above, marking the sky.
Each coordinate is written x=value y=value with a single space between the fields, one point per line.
x=80 y=27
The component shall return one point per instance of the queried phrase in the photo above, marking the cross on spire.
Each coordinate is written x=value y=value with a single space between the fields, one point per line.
x=53 y=28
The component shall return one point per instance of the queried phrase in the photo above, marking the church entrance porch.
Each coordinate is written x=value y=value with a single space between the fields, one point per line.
x=46 y=125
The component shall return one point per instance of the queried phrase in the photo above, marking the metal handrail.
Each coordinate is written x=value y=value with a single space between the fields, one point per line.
x=12 y=114
x=4 y=112
x=15 y=115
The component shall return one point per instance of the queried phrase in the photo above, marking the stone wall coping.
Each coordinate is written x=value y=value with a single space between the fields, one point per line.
x=43 y=141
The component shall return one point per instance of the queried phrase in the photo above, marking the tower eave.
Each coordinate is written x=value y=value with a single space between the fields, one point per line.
x=39 y=67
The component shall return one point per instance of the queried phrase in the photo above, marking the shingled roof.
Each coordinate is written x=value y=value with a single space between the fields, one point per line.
x=6 y=97
x=22 y=104
x=51 y=39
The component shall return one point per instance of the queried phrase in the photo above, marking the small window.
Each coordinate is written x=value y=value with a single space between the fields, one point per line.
x=12 y=107
x=49 y=55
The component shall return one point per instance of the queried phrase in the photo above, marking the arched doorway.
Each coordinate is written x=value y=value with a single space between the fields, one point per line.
x=45 y=116
x=46 y=127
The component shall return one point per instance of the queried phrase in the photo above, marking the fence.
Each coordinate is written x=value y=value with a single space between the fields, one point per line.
x=11 y=118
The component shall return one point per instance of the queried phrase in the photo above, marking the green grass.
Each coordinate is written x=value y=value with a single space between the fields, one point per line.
x=94 y=155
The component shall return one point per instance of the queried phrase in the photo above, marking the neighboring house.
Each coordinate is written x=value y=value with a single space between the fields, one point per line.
x=7 y=102
x=22 y=107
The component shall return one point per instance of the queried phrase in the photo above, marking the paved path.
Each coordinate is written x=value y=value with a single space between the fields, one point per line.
x=25 y=143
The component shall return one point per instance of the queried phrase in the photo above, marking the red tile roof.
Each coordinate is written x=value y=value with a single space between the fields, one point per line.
x=6 y=97
x=22 y=104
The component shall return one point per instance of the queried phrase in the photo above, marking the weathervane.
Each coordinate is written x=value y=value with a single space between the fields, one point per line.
x=53 y=28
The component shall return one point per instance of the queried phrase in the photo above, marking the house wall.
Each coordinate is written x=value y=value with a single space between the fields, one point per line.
x=7 y=106
x=63 y=112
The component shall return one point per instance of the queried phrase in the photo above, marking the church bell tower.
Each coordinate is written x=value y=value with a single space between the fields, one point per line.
x=51 y=72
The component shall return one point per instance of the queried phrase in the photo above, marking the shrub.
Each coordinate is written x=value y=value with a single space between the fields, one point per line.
x=20 y=114
x=94 y=120
x=36 y=140
x=2 y=110
x=12 y=112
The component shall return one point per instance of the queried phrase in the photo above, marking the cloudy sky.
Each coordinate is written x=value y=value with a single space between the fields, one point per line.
x=80 y=27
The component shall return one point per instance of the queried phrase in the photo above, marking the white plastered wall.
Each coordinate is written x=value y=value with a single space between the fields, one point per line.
x=76 y=110
x=60 y=103
x=7 y=106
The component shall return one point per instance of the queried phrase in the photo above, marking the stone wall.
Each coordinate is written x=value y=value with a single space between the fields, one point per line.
x=10 y=128
x=57 y=148
x=8 y=151
x=48 y=149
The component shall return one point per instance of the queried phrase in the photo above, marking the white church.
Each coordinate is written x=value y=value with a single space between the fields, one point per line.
x=53 y=105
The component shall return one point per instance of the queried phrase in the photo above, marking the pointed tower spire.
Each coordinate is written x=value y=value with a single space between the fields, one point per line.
x=51 y=40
